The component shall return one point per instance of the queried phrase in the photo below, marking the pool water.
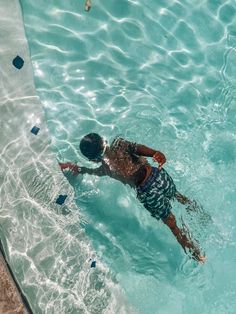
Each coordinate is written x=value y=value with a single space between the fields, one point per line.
x=161 y=73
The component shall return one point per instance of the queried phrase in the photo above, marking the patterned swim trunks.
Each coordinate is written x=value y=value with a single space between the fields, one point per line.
x=156 y=192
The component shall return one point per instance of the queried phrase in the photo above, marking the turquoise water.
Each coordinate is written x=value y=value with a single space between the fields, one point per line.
x=161 y=73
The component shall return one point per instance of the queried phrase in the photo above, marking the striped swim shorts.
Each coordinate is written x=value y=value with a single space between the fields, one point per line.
x=156 y=192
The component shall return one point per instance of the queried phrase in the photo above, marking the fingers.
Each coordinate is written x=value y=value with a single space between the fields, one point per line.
x=157 y=159
x=75 y=169
x=64 y=165
x=160 y=158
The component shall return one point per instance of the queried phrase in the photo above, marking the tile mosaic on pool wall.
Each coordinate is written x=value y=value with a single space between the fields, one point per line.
x=61 y=199
x=35 y=130
x=18 y=62
x=30 y=178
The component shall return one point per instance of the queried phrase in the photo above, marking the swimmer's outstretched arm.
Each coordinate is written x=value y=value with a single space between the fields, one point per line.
x=75 y=169
x=96 y=171
x=185 y=242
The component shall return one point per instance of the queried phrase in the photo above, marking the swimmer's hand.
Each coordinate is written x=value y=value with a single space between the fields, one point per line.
x=88 y=5
x=160 y=158
x=75 y=169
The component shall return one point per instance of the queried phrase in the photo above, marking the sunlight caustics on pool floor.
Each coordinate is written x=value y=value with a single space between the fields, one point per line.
x=163 y=74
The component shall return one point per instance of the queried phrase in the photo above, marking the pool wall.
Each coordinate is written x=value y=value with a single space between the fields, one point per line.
x=31 y=184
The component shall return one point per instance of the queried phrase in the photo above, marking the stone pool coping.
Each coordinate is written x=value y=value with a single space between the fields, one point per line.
x=10 y=299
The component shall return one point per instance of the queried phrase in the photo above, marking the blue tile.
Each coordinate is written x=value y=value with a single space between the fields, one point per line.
x=61 y=199
x=35 y=130
x=18 y=62
x=93 y=264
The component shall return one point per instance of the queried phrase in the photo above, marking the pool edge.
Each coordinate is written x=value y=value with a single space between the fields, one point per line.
x=12 y=299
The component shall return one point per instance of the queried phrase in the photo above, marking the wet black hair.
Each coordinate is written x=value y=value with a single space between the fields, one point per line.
x=91 y=146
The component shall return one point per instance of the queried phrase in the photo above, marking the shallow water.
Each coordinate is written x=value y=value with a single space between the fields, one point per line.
x=162 y=74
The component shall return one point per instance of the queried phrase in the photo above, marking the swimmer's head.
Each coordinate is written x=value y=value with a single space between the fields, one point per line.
x=92 y=147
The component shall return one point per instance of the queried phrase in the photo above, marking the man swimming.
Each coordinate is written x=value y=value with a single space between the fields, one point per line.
x=125 y=161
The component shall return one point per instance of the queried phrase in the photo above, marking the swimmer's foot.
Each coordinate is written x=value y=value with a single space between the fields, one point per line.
x=68 y=166
x=202 y=259
x=88 y=5
x=198 y=257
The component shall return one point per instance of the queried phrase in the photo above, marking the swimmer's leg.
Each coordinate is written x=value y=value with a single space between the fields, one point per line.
x=193 y=207
x=171 y=190
x=182 y=199
x=159 y=206
x=192 y=204
x=184 y=239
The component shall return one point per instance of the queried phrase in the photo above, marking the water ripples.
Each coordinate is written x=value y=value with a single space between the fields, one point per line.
x=158 y=73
